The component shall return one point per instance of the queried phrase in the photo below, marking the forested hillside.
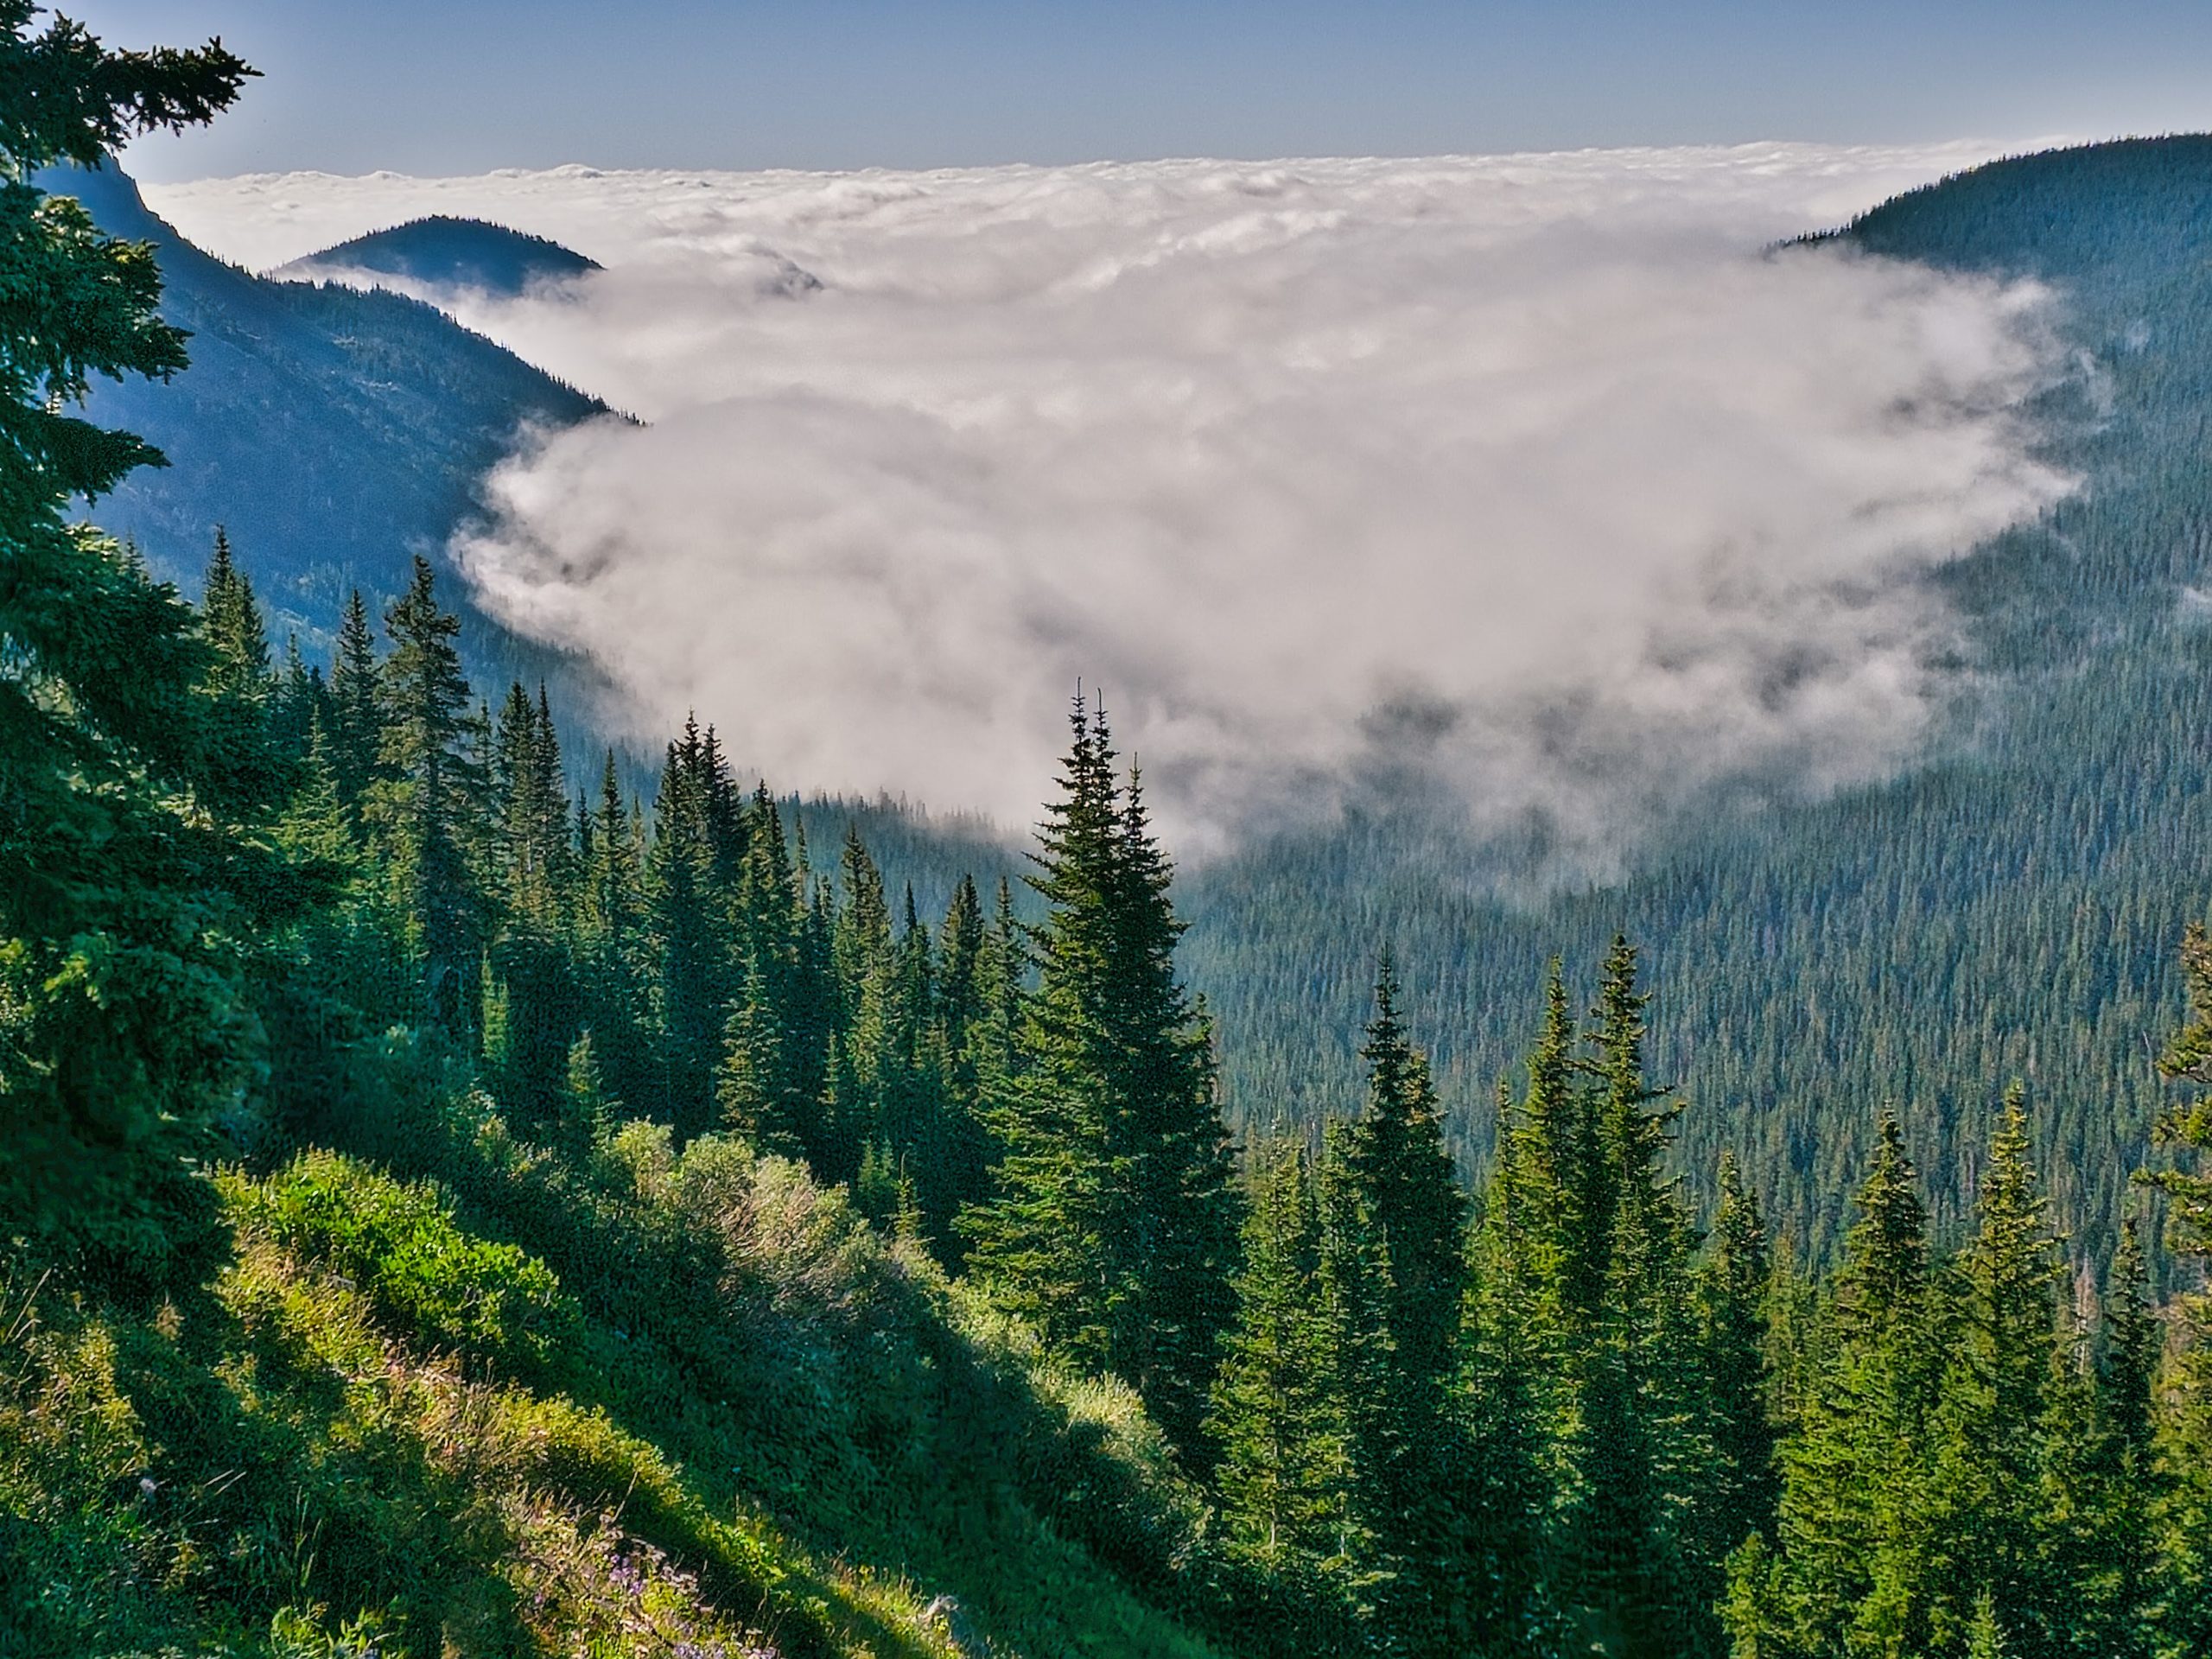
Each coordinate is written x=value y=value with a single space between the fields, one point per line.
x=333 y=432
x=454 y=1207
x=2021 y=886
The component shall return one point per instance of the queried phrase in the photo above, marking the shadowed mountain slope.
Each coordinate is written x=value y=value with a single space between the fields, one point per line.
x=335 y=432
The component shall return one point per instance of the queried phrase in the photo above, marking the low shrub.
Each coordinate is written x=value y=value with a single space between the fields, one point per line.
x=488 y=1302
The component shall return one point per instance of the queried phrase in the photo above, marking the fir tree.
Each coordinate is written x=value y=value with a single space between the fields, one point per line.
x=1113 y=1225
x=1559 y=1172
x=613 y=969
x=231 y=620
x=1733 y=1285
x=298 y=698
x=690 y=923
x=1988 y=1532
x=421 y=809
x=532 y=873
x=315 y=826
x=1850 y=1571
x=123 y=1028
x=357 y=720
x=1279 y=1425
x=966 y=983
x=1652 y=1478
x=1408 y=1205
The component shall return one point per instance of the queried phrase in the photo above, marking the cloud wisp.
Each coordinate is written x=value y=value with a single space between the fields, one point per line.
x=1539 y=478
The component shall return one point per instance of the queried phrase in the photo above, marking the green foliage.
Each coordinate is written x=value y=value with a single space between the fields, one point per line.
x=464 y=1357
x=1112 y=1225
x=1284 y=1472
x=442 y=1289
x=125 y=897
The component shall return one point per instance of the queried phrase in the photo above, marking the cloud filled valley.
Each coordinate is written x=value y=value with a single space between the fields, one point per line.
x=1539 y=478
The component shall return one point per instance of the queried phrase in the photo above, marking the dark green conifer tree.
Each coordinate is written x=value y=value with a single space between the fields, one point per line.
x=357 y=718
x=1509 y=1376
x=315 y=826
x=1561 y=1181
x=123 y=902
x=864 y=963
x=422 y=809
x=1849 y=1568
x=243 y=742
x=1650 y=1475
x=2100 y=1489
x=1284 y=1471
x=773 y=1075
x=964 y=997
x=691 y=927
x=1405 y=1198
x=532 y=874
x=1734 y=1281
x=613 y=966
x=1113 y=1224
x=230 y=618
x=1988 y=1534
x=298 y=698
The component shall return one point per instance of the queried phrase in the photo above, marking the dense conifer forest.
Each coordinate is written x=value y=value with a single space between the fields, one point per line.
x=2027 y=876
x=456 y=1207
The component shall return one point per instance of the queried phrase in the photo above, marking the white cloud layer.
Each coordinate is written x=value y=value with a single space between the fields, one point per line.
x=1536 y=475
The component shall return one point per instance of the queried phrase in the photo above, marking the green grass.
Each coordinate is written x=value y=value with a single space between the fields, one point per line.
x=711 y=1408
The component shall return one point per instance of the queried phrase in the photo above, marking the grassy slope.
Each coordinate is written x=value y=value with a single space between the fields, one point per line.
x=735 y=1417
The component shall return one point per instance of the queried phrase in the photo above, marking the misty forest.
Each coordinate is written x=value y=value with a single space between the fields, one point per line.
x=473 y=1188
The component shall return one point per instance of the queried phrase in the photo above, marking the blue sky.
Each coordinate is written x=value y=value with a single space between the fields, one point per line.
x=463 y=86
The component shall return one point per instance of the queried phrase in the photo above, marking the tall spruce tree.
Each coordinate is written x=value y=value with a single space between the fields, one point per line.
x=532 y=874
x=243 y=744
x=230 y=618
x=1408 y=1470
x=1849 y=1571
x=1284 y=1470
x=1994 y=1426
x=357 y=720
x=1734 y=1281
x=691 y=926
x=423 y=808
x=1650 y=1473
x=772 y=1075
x=1113 y=1223
x=615 y=967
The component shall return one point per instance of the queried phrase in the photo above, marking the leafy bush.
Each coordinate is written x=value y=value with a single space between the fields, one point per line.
x=487 y=1302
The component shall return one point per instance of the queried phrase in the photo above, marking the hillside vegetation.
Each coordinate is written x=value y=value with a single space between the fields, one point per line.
x=335 y=432
x=445 y=1214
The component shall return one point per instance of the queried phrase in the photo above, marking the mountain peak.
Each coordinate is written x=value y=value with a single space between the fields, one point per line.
x=444 y=251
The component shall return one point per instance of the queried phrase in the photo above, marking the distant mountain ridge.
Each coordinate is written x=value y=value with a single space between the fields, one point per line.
x=443 y=251
x=333 y=432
